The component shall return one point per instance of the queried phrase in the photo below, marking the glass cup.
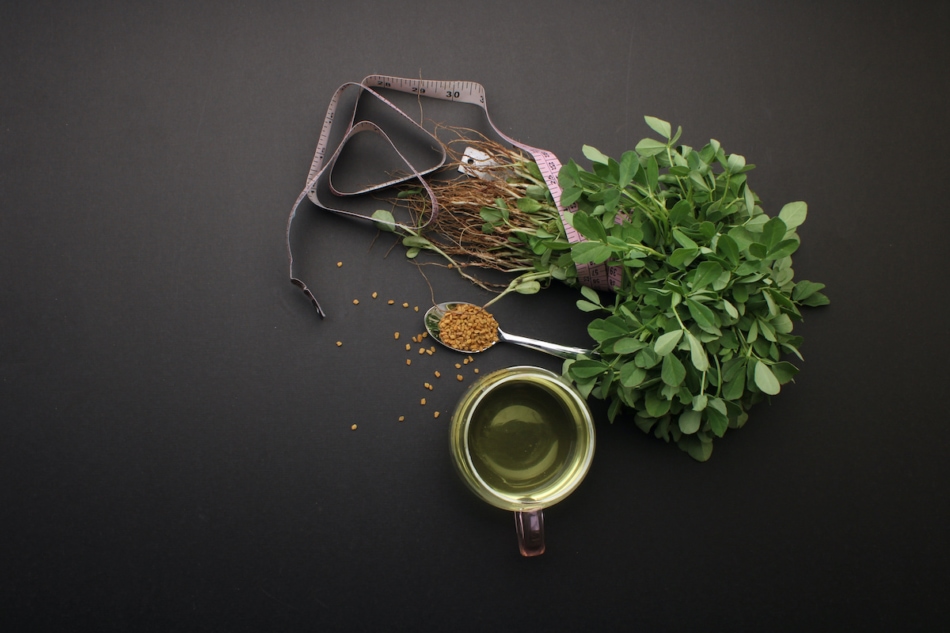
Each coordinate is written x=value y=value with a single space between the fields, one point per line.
x=522 y=439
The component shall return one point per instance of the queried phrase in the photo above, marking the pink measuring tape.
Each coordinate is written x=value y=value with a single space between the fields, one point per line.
x=320 y=186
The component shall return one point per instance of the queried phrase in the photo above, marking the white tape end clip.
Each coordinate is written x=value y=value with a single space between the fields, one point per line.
x=475 y=162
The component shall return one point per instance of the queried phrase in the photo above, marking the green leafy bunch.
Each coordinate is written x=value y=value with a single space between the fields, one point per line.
x=698 y=331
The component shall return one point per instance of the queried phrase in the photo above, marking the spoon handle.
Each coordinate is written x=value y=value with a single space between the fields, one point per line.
x=561 y=351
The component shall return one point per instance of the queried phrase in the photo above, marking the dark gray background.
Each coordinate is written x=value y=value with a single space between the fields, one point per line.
x=175 y=443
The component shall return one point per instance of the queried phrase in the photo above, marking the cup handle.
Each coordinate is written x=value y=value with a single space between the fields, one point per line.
x=529 y=524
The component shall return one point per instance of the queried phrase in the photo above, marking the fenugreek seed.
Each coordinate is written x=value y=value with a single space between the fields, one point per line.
x=475 y=370
x=435 y=415
x=339 y=343
x=356 y=302
x=422 y=350
x=353 y=428
x=390 y=302
x=465 y=362
x=375 y=294
x=402 y=418
x=422 y=402
x=408 y=347
x=338 y=264
x=408 y=361
x=424 y=334
x=458 y=366
x=416 y=308
x=405 y=305
x=396 y=335
x=437 y=374
x=459 y=377
x=430 y=352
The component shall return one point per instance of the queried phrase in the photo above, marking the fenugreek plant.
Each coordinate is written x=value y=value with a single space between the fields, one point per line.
x=700 y=327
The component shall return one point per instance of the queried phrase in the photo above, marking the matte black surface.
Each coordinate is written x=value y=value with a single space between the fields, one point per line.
x=176 y=450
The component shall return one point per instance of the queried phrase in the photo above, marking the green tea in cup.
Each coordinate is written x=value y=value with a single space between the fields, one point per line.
x=522 y=439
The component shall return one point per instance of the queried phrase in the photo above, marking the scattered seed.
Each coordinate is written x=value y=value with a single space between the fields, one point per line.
x=422 y=402
x=458 y=365
x=437 y=374
x=405 y=305
x=390 y=302
x=339 y=264
x=408 y=361
x=416 y=308
x=339 y=343
x=430 y=352
x=422 y=350
x=459 y=377
x=475 y=370
x=465 y=362
x=408 y=347
x=356 y=302
x=402 y=418
x=375 y=294
x=396 y=335
x=353 y=428
x=435 y=415
x=424 y=334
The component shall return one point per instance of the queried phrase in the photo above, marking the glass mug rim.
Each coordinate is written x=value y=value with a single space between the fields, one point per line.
x=565 y=483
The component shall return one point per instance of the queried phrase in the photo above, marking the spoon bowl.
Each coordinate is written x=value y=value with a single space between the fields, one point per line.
x=433 y=317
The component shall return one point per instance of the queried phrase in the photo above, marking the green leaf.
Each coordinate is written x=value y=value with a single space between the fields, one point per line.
x=570 y=195
x=628 y=345
x=603 y=329
x=587 y=306
x=681 y=212
x=784 y=371
x=703 y=316
x=416 y=242
x=793 y=214
x=689 y=421
x=683 y=240
x=735 y=388
x=528 y=205
x=666 y=343
x=735 y=163
x=650 y=147
x=766 y=380
x=656 y=405
x=682 y=256
x=588 y=368
x=590 y=294
x=528 y=287
x=659 y=126
x=653 y=173
x=697 y=449
x=590 y=253
x=773 y=232
x=816 y=299
x=783 y=249
x=673 y=372
x=718 y=420
x=726 y=247
x=384 y=220
x=697 y=353
x=629 y=165
x=594 y=155
x=631 y=376
x=706 y=273
x=804 y=289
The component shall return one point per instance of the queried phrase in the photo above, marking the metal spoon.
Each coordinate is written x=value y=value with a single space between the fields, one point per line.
x=435 y=313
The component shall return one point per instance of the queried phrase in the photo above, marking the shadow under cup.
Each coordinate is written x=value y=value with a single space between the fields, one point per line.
x=522 y=439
